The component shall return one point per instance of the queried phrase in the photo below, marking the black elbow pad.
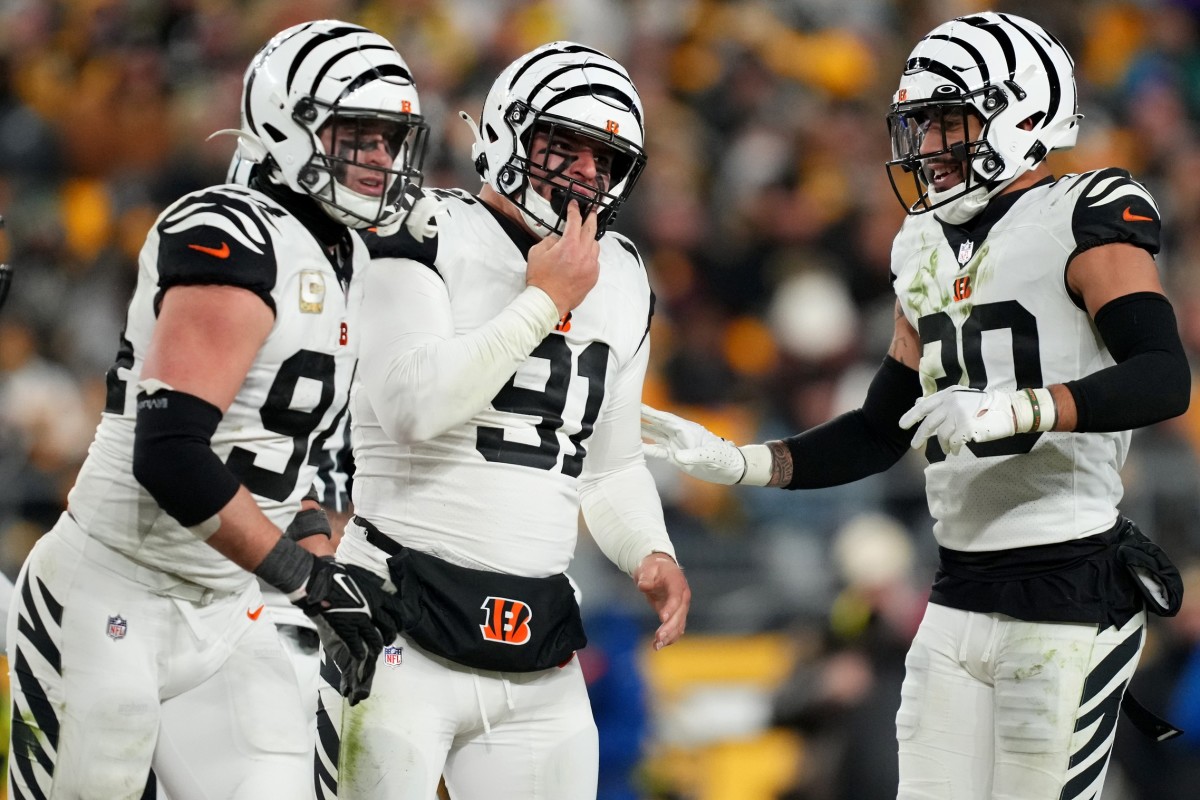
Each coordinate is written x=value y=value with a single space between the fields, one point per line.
x=173 y=457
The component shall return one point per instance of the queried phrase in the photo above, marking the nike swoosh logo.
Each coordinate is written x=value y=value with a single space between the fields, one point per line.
x=255 y=613
x=1129 y=216
x=352 y=591
x=223 y=250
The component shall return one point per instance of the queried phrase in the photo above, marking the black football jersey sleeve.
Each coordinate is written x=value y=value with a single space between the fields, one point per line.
x=1112 y=208
x=218 y=237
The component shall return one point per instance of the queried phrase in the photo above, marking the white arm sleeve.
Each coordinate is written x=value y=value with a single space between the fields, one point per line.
x=420 y=377
x=617 y=494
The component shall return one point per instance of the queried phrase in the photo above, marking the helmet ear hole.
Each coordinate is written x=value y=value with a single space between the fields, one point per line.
x=275 y=134
x=1032 y=121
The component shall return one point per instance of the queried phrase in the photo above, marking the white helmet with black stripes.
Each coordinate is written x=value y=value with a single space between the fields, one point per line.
x=348 y=84
x=561 y=88
x=1013 y=76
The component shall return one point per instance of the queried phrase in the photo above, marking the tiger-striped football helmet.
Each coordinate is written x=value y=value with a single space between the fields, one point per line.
x=561 y=89
x=1000 y=76
x=345 y=81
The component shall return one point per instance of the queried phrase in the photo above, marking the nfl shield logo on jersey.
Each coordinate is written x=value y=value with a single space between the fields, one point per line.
x=117 y=627
x=965 y=250
x=393 y=656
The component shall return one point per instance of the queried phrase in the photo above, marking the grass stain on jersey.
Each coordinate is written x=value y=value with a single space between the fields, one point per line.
x=924 y=294
x=350 y=749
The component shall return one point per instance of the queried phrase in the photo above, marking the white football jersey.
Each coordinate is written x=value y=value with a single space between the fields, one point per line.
x=500 y=492
x=991 y=305
x=274 y=437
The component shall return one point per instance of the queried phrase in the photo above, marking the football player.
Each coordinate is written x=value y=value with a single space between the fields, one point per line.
x=499 y=389
x=138 y=635
x=1031 y=335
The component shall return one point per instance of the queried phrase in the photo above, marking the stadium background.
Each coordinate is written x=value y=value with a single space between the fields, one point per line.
x=765 y=218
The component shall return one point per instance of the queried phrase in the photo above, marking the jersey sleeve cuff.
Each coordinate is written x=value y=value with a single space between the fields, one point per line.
x=535 y=306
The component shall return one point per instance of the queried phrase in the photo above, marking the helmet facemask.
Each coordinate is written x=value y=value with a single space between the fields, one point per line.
x=362 y=162
x=960 y=158
x=547 y=180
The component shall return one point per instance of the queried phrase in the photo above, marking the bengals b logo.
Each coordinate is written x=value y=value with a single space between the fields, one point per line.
x=507 y=621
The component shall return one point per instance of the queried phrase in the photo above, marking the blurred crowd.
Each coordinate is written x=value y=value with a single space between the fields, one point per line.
x=764 y=216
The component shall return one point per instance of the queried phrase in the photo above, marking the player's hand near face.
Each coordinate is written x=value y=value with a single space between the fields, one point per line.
x=661 y=580
x=567 y=267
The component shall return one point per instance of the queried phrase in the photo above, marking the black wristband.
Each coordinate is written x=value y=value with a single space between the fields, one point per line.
x=1151 y=380
x=309 y=522
x=173 y=457
x=287 y=567
x=859 y=443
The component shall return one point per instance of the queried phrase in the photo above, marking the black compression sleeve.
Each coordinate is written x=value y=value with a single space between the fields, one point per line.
x=1151 y=380
x=861 y=442
x=173 y=457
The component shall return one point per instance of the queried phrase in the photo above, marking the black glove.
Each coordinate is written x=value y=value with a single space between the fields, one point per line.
x=355 y=675
x=334 y=596
x=1156 y=577
x=355 y=617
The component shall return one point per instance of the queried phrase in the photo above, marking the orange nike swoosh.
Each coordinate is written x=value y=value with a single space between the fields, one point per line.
x=254 y=614
x=1129 y=216
x=223 y=250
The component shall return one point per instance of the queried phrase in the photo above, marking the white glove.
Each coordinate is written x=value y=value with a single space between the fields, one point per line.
x=957 y=415
x=701 y=453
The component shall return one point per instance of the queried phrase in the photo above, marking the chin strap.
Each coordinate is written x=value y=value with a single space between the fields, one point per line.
x=967 y=205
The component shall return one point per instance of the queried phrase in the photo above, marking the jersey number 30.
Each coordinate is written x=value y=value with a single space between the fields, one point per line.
x=1026 y=360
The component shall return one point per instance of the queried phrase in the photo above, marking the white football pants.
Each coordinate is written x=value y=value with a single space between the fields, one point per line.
x=994 y=708
x=113 y=669
x=303 y=651
x=495 y=736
